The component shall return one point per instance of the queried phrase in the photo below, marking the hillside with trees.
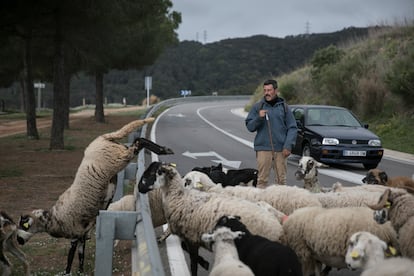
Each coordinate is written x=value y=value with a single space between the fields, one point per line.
x=373 y=77
x=231 y=66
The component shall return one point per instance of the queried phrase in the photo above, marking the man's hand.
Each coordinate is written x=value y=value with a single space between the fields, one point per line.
x=262 y=113
x=286 y=152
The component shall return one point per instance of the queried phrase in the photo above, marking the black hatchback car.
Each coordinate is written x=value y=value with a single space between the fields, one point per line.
x=333 y=134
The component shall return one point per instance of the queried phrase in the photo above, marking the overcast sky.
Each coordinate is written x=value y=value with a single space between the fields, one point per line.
x=213 y=20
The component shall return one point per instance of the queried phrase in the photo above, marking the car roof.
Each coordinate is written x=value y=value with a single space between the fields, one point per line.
x=316 y=106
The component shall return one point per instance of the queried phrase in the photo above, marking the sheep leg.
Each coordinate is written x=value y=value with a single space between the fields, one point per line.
x=145 y=143
x=200 y=260
x=193 y=251
x=326 y=270
x=71 y=254
x=195 y=259
x=81 y=254
x=4 y=262
x=13 y=248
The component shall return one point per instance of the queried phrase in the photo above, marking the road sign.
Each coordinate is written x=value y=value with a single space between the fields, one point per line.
x=185 y=92
x=39 y=85
x=148 y=86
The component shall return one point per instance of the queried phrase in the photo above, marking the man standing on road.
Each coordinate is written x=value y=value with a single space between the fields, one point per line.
x=276 y=130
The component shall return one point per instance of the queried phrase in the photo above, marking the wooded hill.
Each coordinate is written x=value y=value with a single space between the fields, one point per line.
x=231 y=66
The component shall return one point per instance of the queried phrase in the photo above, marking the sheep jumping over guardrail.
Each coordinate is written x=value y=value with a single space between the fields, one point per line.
x=74 y=213
x=190 y=213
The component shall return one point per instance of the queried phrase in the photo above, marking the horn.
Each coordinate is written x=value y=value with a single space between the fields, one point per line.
x=382 y=202
x=409 y=189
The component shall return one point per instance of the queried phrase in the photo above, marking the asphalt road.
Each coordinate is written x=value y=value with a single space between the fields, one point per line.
x=205 y=133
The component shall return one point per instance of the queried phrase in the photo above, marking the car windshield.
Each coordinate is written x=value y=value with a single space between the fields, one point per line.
x=331 y=117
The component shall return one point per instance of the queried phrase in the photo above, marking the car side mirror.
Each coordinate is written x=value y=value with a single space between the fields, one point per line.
x=299 y=124
x=366 y=126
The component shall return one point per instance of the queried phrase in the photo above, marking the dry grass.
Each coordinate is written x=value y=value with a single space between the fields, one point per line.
x=33 y=177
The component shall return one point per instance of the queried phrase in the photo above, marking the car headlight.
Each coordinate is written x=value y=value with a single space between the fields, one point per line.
x=330 y=141
x=374 y=143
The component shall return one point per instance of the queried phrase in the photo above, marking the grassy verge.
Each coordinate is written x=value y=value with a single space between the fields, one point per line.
x=33 y=177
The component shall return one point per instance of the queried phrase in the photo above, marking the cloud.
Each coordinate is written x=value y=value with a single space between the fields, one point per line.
x=213 y=20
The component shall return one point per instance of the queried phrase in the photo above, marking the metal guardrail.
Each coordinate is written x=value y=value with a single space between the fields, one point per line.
x=136 y=226
x=128 y=225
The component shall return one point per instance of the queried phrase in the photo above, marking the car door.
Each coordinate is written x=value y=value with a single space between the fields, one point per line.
x=299 y=114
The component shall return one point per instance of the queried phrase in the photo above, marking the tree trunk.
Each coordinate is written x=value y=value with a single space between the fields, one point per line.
x=58 y=121
x=30 y=100
x=99 y=109
x=67 y=100
x=22 y=94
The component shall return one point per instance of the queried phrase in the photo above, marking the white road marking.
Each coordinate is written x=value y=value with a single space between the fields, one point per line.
x=336 y=173
x=176 y=258
x=221 y=159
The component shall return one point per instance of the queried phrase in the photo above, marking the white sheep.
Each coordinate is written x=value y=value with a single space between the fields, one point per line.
x=190 y=213
x=397 y=207
x=283 y=198
x=226 y=258
x=367 y=251
x=319 y=235
x=128 y=203
x=355 y=196
x=74 y=213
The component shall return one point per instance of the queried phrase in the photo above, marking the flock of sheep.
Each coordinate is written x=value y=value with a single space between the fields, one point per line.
x=280 y=230
x=317 y=226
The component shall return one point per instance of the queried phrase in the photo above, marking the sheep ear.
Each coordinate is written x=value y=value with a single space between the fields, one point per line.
x=383 y=176
x=389 y=250
x=239 y=234
x=25 y=222
x=321 y=165
x=222 y=220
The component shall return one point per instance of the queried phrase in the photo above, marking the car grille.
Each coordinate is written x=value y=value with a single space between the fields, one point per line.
x=349 y=142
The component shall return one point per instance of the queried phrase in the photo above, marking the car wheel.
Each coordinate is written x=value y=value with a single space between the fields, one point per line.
x=306 y=150
x=370 y=166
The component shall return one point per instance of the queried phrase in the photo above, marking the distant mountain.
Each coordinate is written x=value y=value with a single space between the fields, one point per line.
x=231 y=66
x=235 y=66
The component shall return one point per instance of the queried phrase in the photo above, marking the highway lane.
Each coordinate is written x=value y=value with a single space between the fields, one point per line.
x=202 y=134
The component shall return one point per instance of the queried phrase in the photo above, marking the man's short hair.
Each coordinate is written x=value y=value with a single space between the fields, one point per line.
x=272 y=82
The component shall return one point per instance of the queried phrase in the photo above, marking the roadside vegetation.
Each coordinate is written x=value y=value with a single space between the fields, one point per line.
x=373 y=77
x=32 y=176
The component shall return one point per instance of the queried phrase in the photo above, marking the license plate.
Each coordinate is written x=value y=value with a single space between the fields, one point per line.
x=355 y=153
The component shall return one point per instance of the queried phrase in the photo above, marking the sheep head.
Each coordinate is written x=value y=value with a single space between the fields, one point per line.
x=382 y=207
x=221 y=233
x=307 y=168
x=363 y=245
x=32 y=223
x=156 y=176
x=232 y=222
